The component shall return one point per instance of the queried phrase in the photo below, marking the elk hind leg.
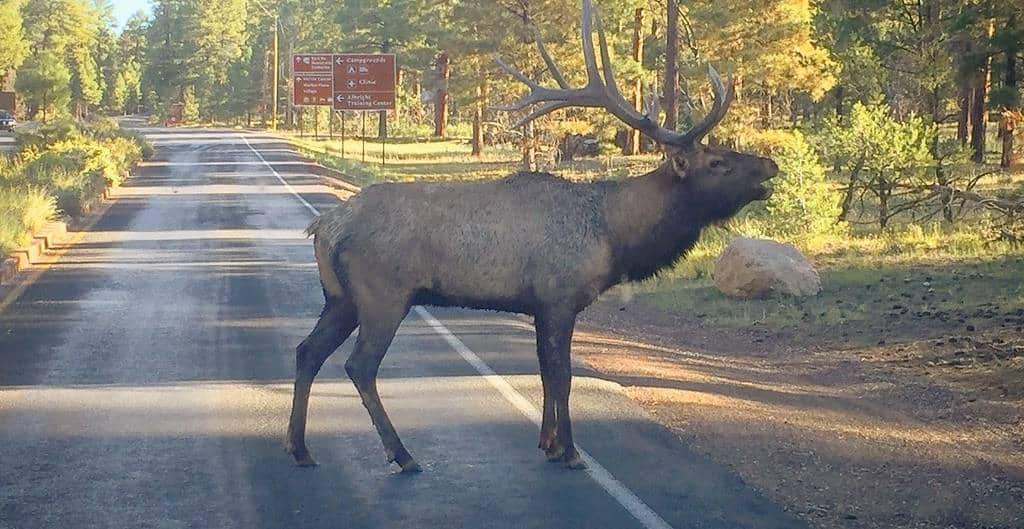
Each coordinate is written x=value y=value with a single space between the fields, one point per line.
x=376 y=333
x=336 y=323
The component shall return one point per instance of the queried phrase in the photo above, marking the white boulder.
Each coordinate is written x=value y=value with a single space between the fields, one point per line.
x=758 y=268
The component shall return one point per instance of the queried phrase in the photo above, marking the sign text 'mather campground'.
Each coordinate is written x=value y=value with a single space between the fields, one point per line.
x=345 y=81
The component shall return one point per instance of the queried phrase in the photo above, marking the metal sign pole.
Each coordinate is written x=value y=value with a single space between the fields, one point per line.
x=383 y=140
x=342 y=134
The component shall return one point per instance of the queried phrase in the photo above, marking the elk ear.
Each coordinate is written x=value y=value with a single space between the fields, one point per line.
x=680 y=166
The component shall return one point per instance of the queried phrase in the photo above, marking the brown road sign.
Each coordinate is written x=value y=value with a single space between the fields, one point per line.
x=312 y=90
x=364 y=101
x=312 y=79
x=364 y=81
x=313 y=63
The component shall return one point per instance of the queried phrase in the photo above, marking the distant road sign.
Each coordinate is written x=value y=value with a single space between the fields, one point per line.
x=344 y=81
x=312 y=79
x=313 y=63
x=364 y=81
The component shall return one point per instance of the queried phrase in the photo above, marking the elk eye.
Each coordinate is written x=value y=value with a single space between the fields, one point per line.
x=717 y=163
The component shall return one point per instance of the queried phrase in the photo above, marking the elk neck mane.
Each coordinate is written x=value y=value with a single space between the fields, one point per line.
x=653 y=222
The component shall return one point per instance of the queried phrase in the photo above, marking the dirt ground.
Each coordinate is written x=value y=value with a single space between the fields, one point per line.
x=924 y=432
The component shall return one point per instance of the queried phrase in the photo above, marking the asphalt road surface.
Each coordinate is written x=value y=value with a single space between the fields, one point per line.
x=145 y=382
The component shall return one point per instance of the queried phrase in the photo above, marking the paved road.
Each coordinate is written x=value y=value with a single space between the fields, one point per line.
x=145 y=382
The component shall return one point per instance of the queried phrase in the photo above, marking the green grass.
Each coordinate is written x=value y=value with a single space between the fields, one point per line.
x=451 y=160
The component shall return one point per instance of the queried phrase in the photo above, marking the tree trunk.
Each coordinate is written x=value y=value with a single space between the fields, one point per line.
x=883 y=204
x=1008 y=121
x=964 y=98
x=978 y=117
x=672 y=66
x=840 y=99
x=766 y=110
x=529 y=148
x=444 y=72
x=478 y=116
x=1007 y=124
x=633 y=148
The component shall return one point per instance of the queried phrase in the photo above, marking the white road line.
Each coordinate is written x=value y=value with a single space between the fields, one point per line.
x=286 y=184
x=615 y=488
x=627 y=498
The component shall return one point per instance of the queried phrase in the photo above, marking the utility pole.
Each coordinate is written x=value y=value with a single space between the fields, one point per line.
x=273 y=90
x=672 y=66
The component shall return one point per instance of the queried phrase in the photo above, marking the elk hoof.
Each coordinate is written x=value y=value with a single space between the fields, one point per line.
x=304 y=460
x=575 y=463
x=555 y=453
x=411 y=467
x=301 y=455
x=547 y=441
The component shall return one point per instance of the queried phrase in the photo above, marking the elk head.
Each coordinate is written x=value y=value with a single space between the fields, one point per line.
x=726 y=179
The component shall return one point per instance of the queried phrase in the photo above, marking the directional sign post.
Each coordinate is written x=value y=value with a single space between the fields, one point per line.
x=364 y=81
x=313 y=79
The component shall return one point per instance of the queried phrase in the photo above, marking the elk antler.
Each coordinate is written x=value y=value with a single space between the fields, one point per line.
x=601 y=91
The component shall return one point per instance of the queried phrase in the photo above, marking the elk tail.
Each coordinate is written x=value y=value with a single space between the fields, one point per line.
x=314 y=226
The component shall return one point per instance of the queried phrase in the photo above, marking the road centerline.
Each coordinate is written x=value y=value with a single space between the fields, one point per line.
x=622 y=494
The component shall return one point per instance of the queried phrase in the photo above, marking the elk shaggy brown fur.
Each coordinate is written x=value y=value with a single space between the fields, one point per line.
x=532 y=243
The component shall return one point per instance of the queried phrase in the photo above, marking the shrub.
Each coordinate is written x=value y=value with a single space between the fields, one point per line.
x=23 y=210
x=62 y=166
x=805 y=201
x=39 y=138
x=882 y=158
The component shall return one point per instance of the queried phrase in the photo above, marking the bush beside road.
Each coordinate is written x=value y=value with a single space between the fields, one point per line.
x=61 y=169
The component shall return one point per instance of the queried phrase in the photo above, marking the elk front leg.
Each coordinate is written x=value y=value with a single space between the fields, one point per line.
x=375 y=335
x=336 y=323
x=547 y=427
x=554 y=341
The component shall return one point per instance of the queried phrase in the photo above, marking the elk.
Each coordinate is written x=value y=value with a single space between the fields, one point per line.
x=532 y=243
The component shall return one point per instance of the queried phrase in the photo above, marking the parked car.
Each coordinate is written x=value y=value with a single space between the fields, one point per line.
x=7 y=121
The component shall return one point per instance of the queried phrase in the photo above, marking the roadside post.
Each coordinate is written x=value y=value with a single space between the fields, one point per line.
x=365 y=82
x=362 y=82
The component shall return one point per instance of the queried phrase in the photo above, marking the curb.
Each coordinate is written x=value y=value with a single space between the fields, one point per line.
x=49 y=238
x=336 y=181
x=44 y=239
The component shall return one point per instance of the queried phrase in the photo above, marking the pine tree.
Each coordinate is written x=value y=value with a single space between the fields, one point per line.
x=45 y=83
x=12 y=37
